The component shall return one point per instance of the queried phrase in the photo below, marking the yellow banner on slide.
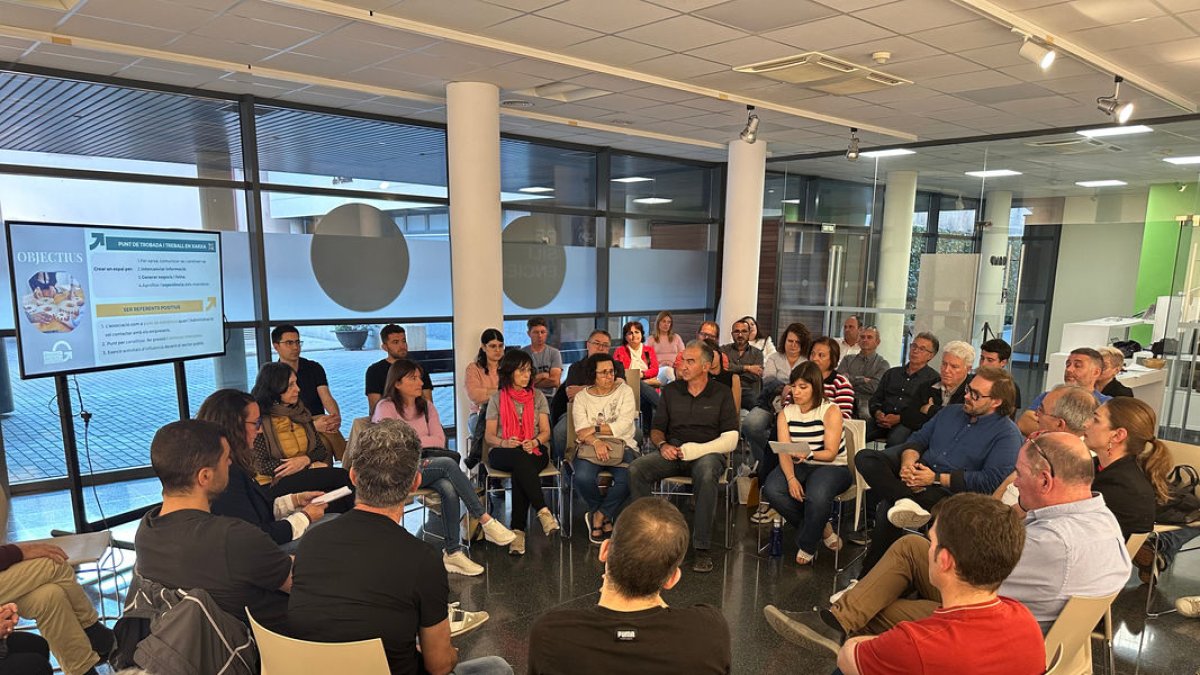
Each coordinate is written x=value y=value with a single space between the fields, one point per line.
x=148 y=308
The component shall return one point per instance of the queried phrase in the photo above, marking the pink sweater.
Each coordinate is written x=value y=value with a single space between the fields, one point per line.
x=429 y=429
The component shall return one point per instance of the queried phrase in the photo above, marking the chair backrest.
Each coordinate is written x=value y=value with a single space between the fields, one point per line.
x=282 y=655
x=356 y=429
x=1135 y=541
x=634 y=379
x=1054 y=662
x=1071 y=633
x=855 y=433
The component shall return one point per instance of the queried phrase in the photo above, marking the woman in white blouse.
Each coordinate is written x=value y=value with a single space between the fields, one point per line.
x=604 y=416
x=761 y=341
x=778 y=367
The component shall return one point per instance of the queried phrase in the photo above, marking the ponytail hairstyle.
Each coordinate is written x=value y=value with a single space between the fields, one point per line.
x=1140 y=424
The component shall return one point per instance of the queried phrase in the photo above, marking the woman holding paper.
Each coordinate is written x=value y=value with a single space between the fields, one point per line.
x=604 y=415
x=404 y=400
x=285 y=518
x=289 y=455
x=804 y=485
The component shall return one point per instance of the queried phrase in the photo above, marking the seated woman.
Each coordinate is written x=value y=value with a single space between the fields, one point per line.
x=778 y=367
x=825 y=352
x=517 y=432
x=289 y=455
x=803 y=487
x=951 y=389
x=481 y=374
x=1114 y=363
x=403 y=400
x=284 y=518
x=667 y=345
x=604 y=416
x=759 y=339
x=1131 y=464
x=635 y=355
x=721 y=374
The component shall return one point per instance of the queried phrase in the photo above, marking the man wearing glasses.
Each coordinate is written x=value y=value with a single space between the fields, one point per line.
x=746 y=361
x=709 y=330
x=599 y=342
x=310 y=377
x=899 y=388
x=970 y=447
x=1073 y=546
x=1083 y=368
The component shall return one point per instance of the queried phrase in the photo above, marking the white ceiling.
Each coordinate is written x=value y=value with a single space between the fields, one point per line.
x=653 y=56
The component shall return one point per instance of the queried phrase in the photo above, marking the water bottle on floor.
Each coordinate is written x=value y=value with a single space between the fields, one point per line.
x=776 y=541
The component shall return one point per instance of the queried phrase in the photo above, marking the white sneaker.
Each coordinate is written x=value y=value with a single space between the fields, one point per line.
x=838 y=596
x=1189 y=606
x=459 y=563
x=495 y=532
x=462 y=621
x=907 y=515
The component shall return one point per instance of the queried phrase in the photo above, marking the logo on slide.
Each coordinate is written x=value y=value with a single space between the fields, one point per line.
x=59 y=353
x=359 y=257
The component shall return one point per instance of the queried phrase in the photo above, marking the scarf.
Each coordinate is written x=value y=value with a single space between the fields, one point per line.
x=298 y=415
x=523 y=428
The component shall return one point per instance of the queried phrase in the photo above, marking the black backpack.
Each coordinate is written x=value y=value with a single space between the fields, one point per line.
x=1182 y=506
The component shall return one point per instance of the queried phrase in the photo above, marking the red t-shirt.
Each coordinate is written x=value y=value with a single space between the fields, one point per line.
x=999 y=637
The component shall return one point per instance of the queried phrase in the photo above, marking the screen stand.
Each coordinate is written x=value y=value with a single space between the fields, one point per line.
x=66 y=419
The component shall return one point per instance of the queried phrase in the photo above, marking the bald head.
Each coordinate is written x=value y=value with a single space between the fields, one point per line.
x=1052 y=469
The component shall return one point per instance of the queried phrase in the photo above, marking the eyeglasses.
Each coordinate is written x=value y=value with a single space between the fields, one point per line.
x=610 y=372
x=258 y=423
x=914 y=347
x=706 y=336
x=974 y=394
x=601 y=345
x=1040 y=411
x=291 y=343
x=1044 y=456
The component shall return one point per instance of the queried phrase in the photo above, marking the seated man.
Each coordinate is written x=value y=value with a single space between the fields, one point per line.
x=949 y=389
x=182 y=545
x=1073 y=546
x=995 y=353
x=695 y=426
x=1083 y=368
x=965 y=448
x=746 y=361
x=899 y=387
x=965 y=626
x=547 y=360
x=599 y=342
x=1066 y=408
x=632 y=628
x=364 y=576
x=709 y=330
x=864 y=370
x=36 y=581
x=394 y=341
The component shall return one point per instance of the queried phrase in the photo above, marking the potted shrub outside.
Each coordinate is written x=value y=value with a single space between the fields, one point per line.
x=351 y=336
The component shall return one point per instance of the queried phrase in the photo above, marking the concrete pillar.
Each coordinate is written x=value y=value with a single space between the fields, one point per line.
x=743 y=232
x=895 y=246
x=473 y=157
x=989 y=288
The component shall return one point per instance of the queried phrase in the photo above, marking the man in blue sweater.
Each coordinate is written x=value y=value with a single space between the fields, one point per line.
x=964 y=448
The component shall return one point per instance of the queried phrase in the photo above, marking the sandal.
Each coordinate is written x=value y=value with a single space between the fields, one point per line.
x=803 y=558
x=596 y=533
x=833 y=542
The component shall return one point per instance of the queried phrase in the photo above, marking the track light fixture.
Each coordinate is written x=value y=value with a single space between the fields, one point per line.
x=750 y=133
x=1042 y=56
x=852 y=152
x=1113 y=106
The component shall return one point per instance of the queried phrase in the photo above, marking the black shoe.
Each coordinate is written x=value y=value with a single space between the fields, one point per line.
x=818 y=627
x=702 y=562
x=102 y=638
x=859 y=538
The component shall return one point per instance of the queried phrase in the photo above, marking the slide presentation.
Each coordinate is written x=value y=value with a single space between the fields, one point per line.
x=92 y=298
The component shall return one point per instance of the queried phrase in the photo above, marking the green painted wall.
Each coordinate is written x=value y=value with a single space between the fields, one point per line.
x=1160 y=263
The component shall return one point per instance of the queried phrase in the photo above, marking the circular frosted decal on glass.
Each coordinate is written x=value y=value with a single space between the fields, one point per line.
x=359 y=257
x=535 y=264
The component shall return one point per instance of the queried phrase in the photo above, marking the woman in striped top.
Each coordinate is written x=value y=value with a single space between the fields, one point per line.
x=803 y=487
x=838 y=390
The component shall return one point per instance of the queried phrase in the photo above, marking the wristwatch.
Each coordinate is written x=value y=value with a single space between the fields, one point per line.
x=597 y=428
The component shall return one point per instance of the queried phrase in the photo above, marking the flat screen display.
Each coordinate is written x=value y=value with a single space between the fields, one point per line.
x=94 y=298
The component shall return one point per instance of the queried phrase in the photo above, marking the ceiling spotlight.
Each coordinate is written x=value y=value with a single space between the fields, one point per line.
x=852 y=152
x=750 y=133
x=1042 y=56
x=1113 y=106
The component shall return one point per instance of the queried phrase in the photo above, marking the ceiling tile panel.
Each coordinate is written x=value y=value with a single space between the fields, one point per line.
x=81 y=25
x=936 y=66
x=970 y=35
x=664 y=94
x=469 y=53
x=176 y=74
x=680 y=66
x=253 y=32
x=223 y=50
x=148 y=13
x=686 y=5
x=36 y=18
x=506 y=79
x=902 y=50
x=537 y=31
x=610 y=16
x=983 y=79
x=613 y=50
x=1161 y=29
x=524 y=5
x=830 y=33
x=853 y=5
x=756 y=16
x=286 y=16
x=466 y=15
x=742 y=51
x=377 y=36
x=315 y=65
x=911 y=16
x=682 y=33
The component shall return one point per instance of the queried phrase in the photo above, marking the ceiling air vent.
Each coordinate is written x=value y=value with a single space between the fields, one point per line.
x=823 y=72
x=1076 y=145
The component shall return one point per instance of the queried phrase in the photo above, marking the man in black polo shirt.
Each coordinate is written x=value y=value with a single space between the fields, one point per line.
x=599 y=342
x=394 y=341
x=897 y=389
x=310 y=377
x=695 y=426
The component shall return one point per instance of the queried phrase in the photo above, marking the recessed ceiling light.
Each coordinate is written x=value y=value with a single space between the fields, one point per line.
x=1115 y=131
x=791 y=201
x=535 y=190
x=1194 y=159
x=894 y=152
x=515 y=103
x=631 y=179
x=993 y=173
x=652 y=200
x=1100 y=183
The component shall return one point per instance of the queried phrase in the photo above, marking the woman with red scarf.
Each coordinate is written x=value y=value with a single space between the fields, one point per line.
x=516 y=433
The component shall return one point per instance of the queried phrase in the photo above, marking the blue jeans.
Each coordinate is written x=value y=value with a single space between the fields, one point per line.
x=585 y=481
x=1170 y=543
x=704 y=472
x=442 y=475
x=821 y=485
x=484 y=665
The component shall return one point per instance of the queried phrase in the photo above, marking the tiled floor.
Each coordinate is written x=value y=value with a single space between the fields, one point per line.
x=565 y=572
